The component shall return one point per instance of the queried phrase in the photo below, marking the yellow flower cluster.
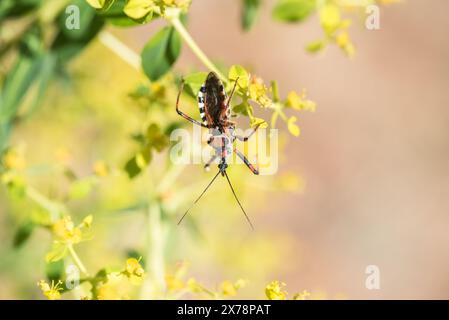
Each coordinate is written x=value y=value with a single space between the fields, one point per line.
x=52 y=292
x=275 y=291
x=335 y=28
x=176 y=286
x=65 y=230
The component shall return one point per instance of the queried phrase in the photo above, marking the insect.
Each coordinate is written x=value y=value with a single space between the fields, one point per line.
x=215 y=112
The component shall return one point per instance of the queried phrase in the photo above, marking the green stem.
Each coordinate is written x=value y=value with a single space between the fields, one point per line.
x=77 y=260
x=154 y=285
x=177 y=24
x=53 y=208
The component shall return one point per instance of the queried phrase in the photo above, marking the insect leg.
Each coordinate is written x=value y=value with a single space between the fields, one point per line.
x=238 y=201
x=182 y=114
x=241 y=138
x=197 y=199
x=232 y=93
x=246 y=161
x=207 y=165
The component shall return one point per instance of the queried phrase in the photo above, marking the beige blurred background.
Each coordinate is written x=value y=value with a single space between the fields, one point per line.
x=375 y=155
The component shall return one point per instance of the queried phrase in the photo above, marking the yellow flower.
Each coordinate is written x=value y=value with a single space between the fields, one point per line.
x=13 y=159
x=330 y=18
x=87 y=221
x=133 y=268
x=100 y=168
x=173 y=283
x=302 y=295
x=274 y=291
x=258 y=92
x=299 y=102
x=115 y=288
x=230 y=289
x=65 y=230
x=343 y=41
x=194 y=286
x=51 y=292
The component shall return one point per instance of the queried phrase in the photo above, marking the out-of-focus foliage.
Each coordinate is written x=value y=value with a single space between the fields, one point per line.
x=331 y=13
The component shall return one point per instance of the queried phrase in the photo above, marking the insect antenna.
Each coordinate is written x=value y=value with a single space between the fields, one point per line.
x=241 y=207
x=210 y=183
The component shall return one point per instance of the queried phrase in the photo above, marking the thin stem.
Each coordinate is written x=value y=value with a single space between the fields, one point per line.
x=120 y=49
x=154 y=285
x=77 y=260
x=52 y=207
x=177 y=24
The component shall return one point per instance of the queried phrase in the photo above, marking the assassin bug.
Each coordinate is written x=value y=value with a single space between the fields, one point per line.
x=215 y=112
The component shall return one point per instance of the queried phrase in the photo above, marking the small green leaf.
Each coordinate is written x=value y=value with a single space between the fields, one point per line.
x=137 y=163
x=293 y=127
x=23 y=234
x=160 y=53
x=55 y=270
x=115 y=15
x=243 y=108
x=194 y=81
x=316 y=46
x=238 y=72
x=249 y=13
x=156 y=138
x=293 y=10
x=81 y=188
x=57 y=252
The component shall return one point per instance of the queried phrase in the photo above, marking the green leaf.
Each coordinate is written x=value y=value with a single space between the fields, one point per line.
x=238 y=72
x=194 y=81
x=58 y=251
x=14 y=89
x=115 y=15
x=160 y=53
x=243 y=108
x=249 y=13
x=46 y=72
x=132 y=167
x=23 y=233
x=293 y=10
x=156 y=138
x=16 y=8
x=81 y=188
x=316 y=46
x=68 y=43
x=55 y=270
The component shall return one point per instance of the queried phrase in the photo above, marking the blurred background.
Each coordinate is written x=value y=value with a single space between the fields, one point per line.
x=373 y=159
